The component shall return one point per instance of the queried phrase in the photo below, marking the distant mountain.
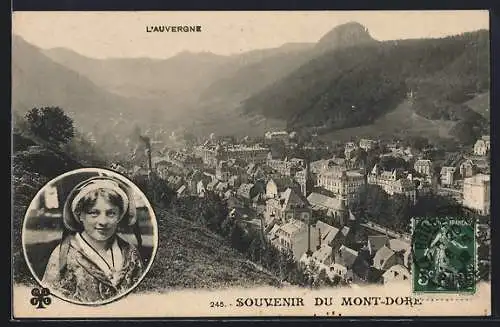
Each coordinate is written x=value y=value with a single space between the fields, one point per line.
x=38 y=81
x=344 y=36
x=193 y=83
x=168 y=79
x=354 y=85
x=280 y=62
x=346 y=79
x=257 y=73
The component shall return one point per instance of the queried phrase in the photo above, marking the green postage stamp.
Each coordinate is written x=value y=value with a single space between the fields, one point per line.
x=444 y=255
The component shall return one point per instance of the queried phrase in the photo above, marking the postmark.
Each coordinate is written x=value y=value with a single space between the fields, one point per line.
x=444 y=255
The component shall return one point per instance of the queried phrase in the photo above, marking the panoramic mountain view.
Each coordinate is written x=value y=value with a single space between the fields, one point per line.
x=301 y=164
x=347 y=79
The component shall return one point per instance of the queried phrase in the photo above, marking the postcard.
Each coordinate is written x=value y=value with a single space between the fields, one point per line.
x=188 y=164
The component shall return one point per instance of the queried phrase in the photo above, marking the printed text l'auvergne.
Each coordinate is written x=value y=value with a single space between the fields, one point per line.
x=173 y=28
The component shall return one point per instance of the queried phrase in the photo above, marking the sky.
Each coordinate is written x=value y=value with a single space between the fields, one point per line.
x=123 y=34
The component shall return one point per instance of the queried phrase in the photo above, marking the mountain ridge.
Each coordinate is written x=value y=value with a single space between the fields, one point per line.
x=352 y=86
x=341 y=81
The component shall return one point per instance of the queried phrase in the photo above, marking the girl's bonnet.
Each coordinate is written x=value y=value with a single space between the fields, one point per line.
x=72 y=223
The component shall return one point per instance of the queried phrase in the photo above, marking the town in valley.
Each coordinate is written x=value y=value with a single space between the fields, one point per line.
x=341 y=211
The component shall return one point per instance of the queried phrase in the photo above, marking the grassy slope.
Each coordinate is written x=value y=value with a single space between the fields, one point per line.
x=190 y=256
x=480 y=104
x=400 y=121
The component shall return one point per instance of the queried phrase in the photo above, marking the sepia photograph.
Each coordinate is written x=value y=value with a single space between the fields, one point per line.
x=243 y=164
x=89 y=236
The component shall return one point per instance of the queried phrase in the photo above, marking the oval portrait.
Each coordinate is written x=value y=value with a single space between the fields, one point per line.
x=89 y=236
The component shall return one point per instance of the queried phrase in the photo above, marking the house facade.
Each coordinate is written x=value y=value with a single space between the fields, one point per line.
x=467 y=168
x=476 y=193
x=448 y=176
x=367 y=144
x=396 y=273
x=424 y=167
x=343 y=183
x=482 y=146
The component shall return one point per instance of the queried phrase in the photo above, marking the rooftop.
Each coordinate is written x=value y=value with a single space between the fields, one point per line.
x=395 y=270
x=346 y=256
x=399 y=245
x=382 y=255
x=323 y=201
x=423 y=161
x=293 y=227
x=375 y=242
x=322 y=253
x=326 y=231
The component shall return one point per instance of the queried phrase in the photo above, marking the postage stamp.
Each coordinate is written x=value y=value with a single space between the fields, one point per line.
x=444 y=255
x=241 y=164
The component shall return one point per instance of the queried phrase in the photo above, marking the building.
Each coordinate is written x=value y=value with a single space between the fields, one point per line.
x=319 y=166
x=181 y=191
x=209 y=154
x=382 y=178
x=212 y=185
x=406 y=187
x=376 y=242
x=334 y=206
x=226 y=168
x=282 y=136
x=425 y=187
x=304 y=179
x=467 y=168
x=424 y=167
x=162 y=167
x=448 y=175
x=350 y=150
x=367 y=144
x=290 y=204
x=396 y=273
x=327 y=234
x=201 y=188
x=482 y=146
x=403 y=247
x=256 y=171
x=276 y=185
x=350 y=265
x=385 y=258
x=292 y=236
x=284 y=167
x=343 y=183
x=184 y=160
x=249 y=154
x=248 y=191
x=323 y=256
x=476 y=193
x=393 y=182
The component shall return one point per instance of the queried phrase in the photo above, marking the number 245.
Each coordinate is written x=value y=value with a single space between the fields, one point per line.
x=216 y=304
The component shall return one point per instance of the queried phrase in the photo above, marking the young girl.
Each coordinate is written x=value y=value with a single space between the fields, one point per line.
x=92 y=263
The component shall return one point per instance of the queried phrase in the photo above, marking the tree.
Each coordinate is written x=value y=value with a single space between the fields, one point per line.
x=418 y=142
x=390 y=162
x=51 y=124
x=398 y=217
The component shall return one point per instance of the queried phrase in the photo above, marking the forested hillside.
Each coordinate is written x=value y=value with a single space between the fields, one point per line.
x=355 y=85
